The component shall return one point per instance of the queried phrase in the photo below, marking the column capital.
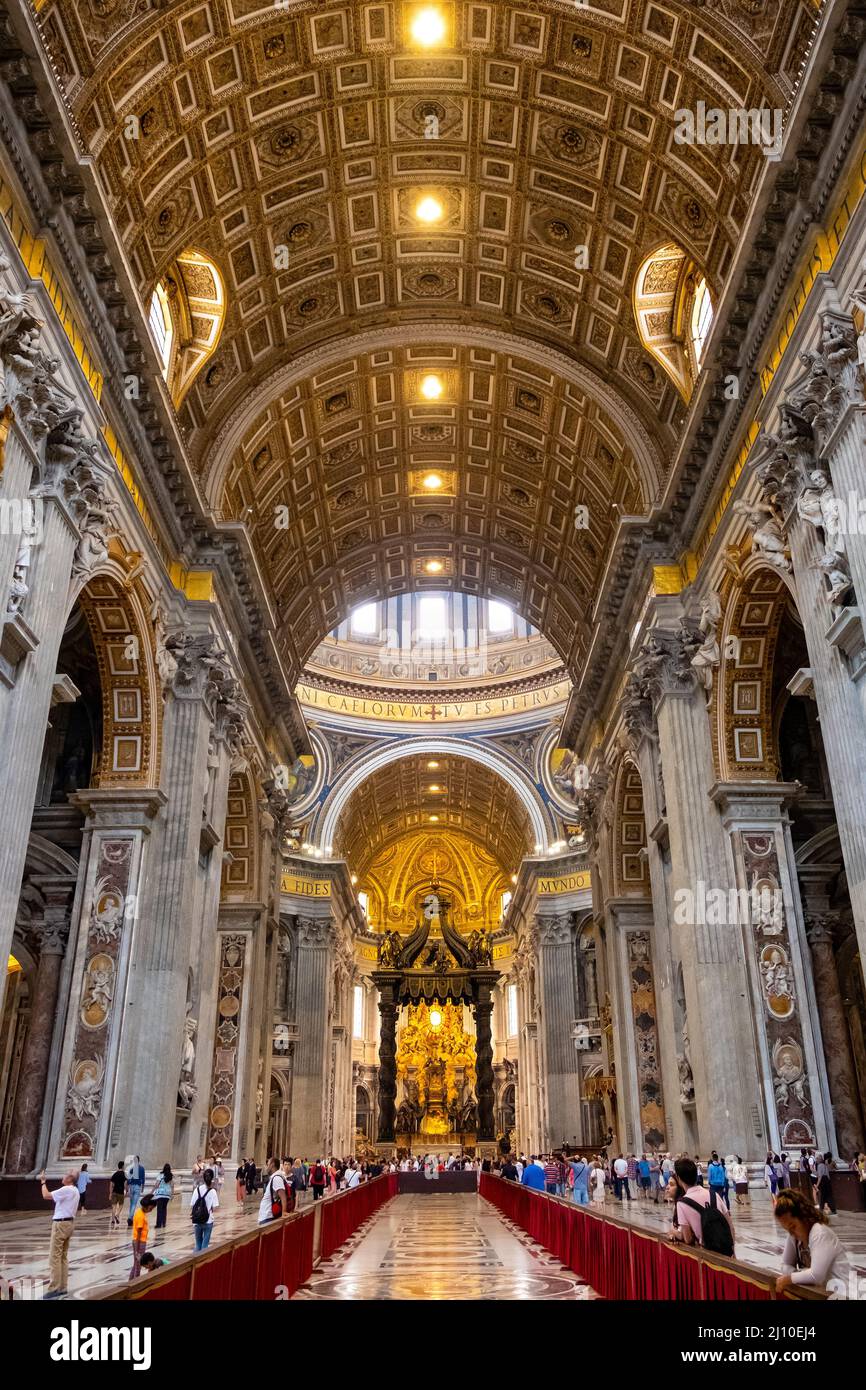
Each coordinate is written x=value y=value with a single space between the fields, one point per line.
x=119 y=808
x=663 y=666
x=314 y=931
x=554 y=930
x=821 y=928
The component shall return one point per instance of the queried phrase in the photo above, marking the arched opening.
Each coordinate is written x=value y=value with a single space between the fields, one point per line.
x=673 y=309
x=187 y=312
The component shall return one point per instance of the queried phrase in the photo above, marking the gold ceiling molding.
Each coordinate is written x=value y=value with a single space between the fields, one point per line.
x=122 y=634
x=260 y=127
x=473 y=803
x=663 y=293
x=333 y=452
x=425 y=709
x=469 y=876
x=308 y=127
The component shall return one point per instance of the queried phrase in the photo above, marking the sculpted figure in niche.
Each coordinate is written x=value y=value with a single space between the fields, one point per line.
x=187 y=1090
x=572 y=775
x=790 y=1080
x=767 y=537
x=820 y=506
x=708 y=654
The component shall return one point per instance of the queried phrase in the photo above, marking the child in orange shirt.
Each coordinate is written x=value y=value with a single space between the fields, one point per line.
x=139 y=1233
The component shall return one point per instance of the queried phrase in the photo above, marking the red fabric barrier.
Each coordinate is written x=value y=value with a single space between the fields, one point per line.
x=722 y=1284
x=679 y=1273
x=270 y=1269
x=645 y=1264
x=616 y=1261
x=212 y=1276
x=173 y=1290
x=244 y=1267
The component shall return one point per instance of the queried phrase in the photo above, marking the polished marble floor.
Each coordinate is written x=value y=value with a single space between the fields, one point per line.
x=443 y=1246
x=448 y=1246
x=101 y=1258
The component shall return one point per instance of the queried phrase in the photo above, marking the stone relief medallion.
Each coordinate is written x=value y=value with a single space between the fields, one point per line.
x=772 y=959
x=768 y=913
x=98 y=991
x=107 y=912
x=106 y=920
x=777 y=982
x=564 y=777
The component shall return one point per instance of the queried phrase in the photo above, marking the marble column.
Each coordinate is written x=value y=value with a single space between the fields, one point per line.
x=555 y=983
x=718 y=1044
x=811 y=475
x=770 y=925
x=640 y=1092
x=21 y=1153
x=25 y=708
x=19 y=463
x=312 y=1049
x=642 y=739
x=99 y=1026
x=484 y=1063
x=841 y=1075
x=20 y=333
x=149 y=1104
x=388 y=1009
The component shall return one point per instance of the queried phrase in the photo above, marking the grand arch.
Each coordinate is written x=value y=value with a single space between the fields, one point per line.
x=323 y=828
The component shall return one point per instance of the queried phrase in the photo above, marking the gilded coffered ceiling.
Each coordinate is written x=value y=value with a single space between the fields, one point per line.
x=398 y=878
x=397 y=801
x=293 y=145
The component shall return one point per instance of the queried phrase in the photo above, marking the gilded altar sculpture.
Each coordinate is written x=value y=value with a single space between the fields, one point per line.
x=435 y=1068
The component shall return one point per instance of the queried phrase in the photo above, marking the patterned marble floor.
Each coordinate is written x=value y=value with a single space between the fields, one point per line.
x=100 y=1258
x=453 y=1246
x=416 y=1247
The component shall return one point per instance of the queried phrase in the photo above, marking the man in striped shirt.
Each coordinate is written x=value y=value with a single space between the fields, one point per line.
x=551 y=1176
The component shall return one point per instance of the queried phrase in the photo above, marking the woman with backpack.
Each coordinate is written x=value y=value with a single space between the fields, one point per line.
x=162 y=1195
x=203 y=1203
x=702 y=1216
x=318 y=1173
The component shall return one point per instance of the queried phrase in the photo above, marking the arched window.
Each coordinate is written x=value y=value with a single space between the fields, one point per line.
x=187 y=312
x=500 y=618
x=674 y=313
x=364 y=621
x=161 y=327
x=702 y=320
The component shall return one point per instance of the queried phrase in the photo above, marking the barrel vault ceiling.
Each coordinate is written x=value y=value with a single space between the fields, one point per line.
x=396 y=801
x=289 y=145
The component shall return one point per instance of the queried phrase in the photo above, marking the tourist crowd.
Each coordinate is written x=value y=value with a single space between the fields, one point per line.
x=699 y=1194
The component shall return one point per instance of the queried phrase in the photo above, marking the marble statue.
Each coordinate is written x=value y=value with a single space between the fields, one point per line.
x=187 y=1090
x=572 y=775
x=767 y=538
x=858 y=300
x=708 y=654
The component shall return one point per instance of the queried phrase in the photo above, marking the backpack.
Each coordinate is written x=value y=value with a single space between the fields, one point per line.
x=715 y=1231
x=317 y=1177
x=200 y=1213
